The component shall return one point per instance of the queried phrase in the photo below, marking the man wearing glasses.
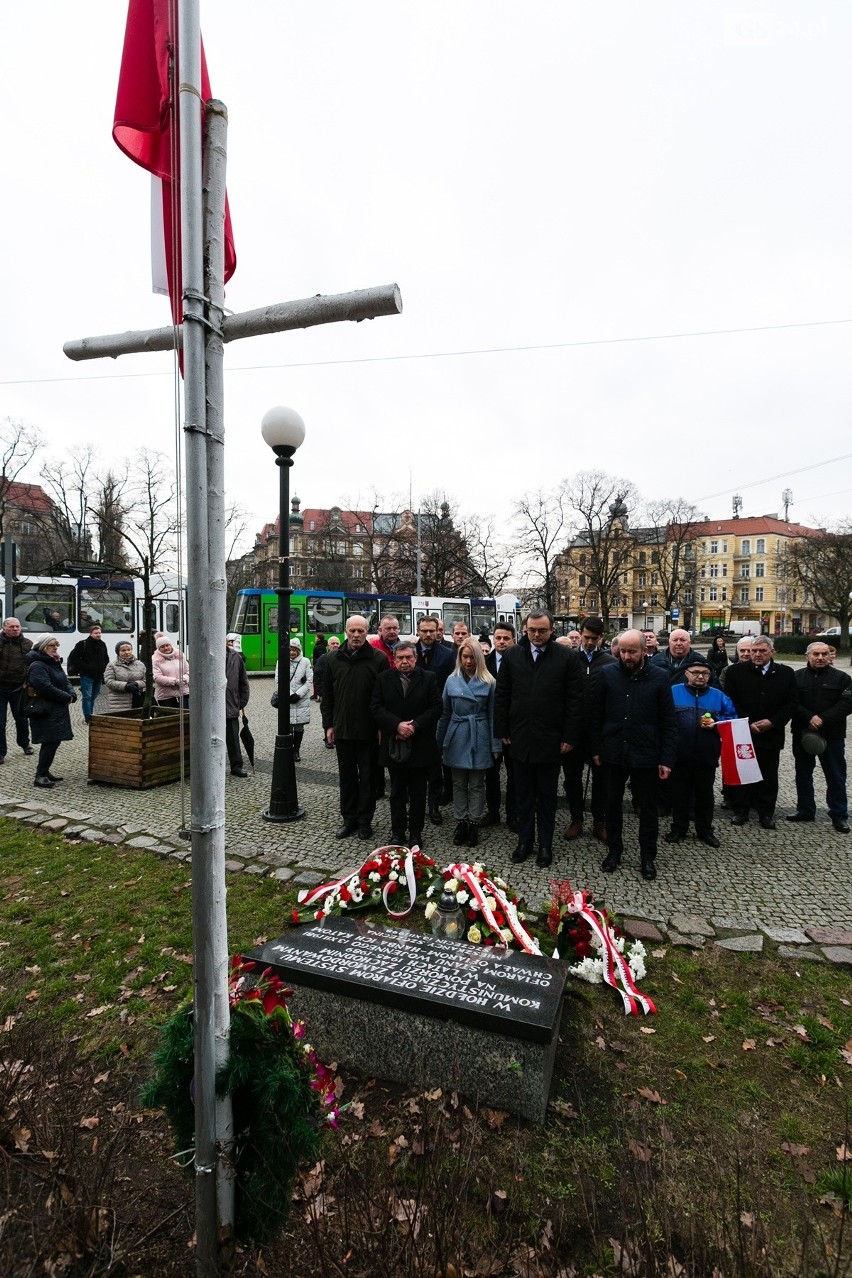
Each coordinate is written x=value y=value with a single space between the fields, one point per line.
x=537 y=714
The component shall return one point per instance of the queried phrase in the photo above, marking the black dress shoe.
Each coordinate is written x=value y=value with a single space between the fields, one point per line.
x=435 y=816
x=649 y=871
x=709 y=838
x=460 y=836
x=841 y=826
x=53 y=777
x=544 y=858
x=611 y=862
x=490 y=818
x=520 y=854
x=238 y=772
x=28 y=749
x=43 y=783
x=768 y=823
x=675 y=836
x=799 y=816
x=365 y=832
x=343 y=832
x=740 y=819
x=398 y=840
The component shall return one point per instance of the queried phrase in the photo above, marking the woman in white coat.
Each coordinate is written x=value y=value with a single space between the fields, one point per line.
x=301 y=686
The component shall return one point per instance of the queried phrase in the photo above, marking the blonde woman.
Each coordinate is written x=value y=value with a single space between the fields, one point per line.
x=466 y=734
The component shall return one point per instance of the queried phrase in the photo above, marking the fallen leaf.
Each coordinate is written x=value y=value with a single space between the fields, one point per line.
x=659 y=954
x=795 y=1151
x=98 y=1011
x=21 y=1136
x=600 y=1043
x=648 y=1093
x=101 y=1078
x=639 y=1151
x=749 y=1045
x=843 y=1153
x=356 y=1109
x=646 y=1029
x=565 y=1108
x=676 y=979
x=709 y=1038
x=802 y=1033
x=680 y=1074
x=747 y=1219
x=825 y=1022
x=775 y=1042
x=434 y=1095
x=495 y=1118
x=617 y=1047
x=88 y=1124
x=376 y=1129
x=32 y=996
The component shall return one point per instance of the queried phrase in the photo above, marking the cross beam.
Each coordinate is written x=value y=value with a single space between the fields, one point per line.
x=365 y=303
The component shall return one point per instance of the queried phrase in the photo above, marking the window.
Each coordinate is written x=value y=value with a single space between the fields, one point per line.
x=172 y=612
x=703 y=570
x=654 y=601
x=45 y=608
x=582 y=561
x=655 y=556
x=247 y=618
x=724 y=547
x=324 y=616
x=714 y=570
x=760 y=546
x=714 y=547
x=642 y=578
x=714 y=594
x=110 y=606
x=655 y=579
x=724 y=593
x=643 y=558
x=687 y=596
x=760 y=570
x=758 y=594
x=746 y=572
x=702 y=595
x=359 y=606
x=744 y=594
x=358 y=572
x=482 y=617
x=745 y=546
x=582 y=580
x=582 y=601
x=724 y=570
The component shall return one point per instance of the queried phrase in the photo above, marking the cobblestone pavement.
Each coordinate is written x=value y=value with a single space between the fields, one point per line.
x=758 y=884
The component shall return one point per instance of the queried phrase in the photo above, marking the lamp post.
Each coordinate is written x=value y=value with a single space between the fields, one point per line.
x=283 y=430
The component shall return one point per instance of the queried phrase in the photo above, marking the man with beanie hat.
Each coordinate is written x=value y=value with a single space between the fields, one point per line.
x=698 y=707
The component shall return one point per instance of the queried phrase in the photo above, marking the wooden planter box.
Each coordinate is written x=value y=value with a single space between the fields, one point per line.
x=125 y=749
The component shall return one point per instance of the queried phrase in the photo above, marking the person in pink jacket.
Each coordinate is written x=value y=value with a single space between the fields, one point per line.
x=171 y=673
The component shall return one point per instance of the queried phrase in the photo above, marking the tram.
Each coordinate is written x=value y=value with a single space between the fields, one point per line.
x=70 y=604
x=325 y=612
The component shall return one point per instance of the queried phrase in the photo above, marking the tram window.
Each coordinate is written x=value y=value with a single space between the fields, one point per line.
x=272 y=620
x=455 y=611
x=361 y=607
x=41 y=608
x=324 y=615
x=172 y=611
x=434 y=613
x=482 y=617
x=247 y=615
x=110 y=607
x=397 y=608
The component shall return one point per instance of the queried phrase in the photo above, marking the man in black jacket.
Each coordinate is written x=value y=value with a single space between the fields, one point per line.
x=537 y=714
x=406 y=705
x=765 y=694
x=825 y=703
x=593 y=659
x=13 y=672
x=633 y=737
x=350 y=676
x=504 y=638
x=89 y=659
x=439 y=660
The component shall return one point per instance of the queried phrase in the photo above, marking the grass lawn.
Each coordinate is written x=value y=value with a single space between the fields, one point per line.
x=710 y=1139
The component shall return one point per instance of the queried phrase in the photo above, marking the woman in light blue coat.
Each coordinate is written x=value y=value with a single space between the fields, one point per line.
x=466 y=734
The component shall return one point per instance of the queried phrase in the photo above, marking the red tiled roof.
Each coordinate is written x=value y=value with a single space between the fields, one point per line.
x=29 y=497
x=348 y=518
x=748 y=526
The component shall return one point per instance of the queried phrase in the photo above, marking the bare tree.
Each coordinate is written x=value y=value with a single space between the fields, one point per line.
x=64 y=527
x=821 y=565
x=602 y=547
x=669 y=528
x=490 y=558
x=542 y=527
x=19 y=444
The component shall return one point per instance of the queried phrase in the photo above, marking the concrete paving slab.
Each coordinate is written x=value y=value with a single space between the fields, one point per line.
x=742 y=944
x=840 y=955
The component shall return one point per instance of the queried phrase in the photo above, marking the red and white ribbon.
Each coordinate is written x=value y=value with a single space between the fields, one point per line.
x=616 y=969
x=479 y=888
x=410 y=882
x=308 y=896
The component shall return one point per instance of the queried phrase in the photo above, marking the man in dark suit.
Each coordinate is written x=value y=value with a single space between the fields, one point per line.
x=825 y=703
x=406 y=705
x=765 y=694
x=592 y=661
x=439 y=659
x=350 y=677
x=504 y=638
x=537 y=714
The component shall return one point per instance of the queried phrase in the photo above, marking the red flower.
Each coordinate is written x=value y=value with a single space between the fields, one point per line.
x=471 y=914
x=392 y=887
x=345 y=894
x=296 y=916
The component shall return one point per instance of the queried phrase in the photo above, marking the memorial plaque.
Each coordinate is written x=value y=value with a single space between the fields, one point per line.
x=487 y=988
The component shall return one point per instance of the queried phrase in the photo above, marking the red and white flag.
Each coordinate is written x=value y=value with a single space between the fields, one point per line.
x=145 y=129
x=739 y=761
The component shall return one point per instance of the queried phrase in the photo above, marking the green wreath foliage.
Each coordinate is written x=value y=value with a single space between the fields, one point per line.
x=278 y=1108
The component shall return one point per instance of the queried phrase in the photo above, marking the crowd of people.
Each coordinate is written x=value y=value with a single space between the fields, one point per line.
x=492 y=724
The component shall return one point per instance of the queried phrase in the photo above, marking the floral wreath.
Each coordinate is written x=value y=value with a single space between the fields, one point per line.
x=282 y=1095
x=490 y=907
x=391 y=872
x=588 y=937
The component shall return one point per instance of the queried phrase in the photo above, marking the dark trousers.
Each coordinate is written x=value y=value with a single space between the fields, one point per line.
x=763 y=795
x=692 y=784
x=644 y=787
x=10 y=699
x=46 y=755
x=536 y=785
x=833 y=764
x=574 y=770
x=357 y=765
x=232 y=742
x=408 y=801
x=492 y=787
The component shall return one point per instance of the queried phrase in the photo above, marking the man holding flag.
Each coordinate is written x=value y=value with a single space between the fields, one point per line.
x=699 y=709
x=765 y=694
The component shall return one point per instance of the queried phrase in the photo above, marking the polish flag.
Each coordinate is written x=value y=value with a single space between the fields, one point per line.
x=145 y=129
x=739 y=761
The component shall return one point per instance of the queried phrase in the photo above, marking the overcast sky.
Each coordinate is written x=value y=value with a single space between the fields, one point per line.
x=554 y=176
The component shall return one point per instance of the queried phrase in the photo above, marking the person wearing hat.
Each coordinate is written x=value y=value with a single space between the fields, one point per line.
x=301 y=684
x=819 y=732
x=171 y=673
x=236 y=699
x=698 y=707
x=54 y=694
x=124 y=679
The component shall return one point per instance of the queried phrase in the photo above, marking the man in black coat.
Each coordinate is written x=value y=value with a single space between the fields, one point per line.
x=440 y=660
x=765 y=694
x=593 y=659
x=406 y=705
x=350 y=676
x=89 y=659
x=633 y=737
x=825 y=703
x=13 y=672
x=504 y=638
x=537 y=714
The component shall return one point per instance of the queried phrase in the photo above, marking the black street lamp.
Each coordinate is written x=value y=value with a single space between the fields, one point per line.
x=283 y=430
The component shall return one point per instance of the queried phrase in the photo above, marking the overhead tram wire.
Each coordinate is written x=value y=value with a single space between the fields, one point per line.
x=784 y=474
x=488 y=350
